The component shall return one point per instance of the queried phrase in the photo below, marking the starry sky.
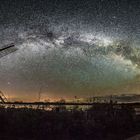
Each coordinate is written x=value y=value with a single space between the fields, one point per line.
x=70 y=48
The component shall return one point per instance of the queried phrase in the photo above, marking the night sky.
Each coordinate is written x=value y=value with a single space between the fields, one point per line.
x=70 y=48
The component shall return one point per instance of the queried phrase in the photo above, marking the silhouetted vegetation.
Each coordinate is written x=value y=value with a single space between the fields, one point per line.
x=97 y=123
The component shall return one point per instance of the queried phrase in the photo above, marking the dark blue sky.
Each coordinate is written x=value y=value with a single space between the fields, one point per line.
x=114 y=15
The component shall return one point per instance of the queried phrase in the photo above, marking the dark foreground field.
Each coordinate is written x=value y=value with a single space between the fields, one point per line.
x=97 y=123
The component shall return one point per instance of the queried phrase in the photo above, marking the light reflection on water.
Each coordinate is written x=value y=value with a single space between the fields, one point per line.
x=47 y=107
x=137 y=110
x=55 y=107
